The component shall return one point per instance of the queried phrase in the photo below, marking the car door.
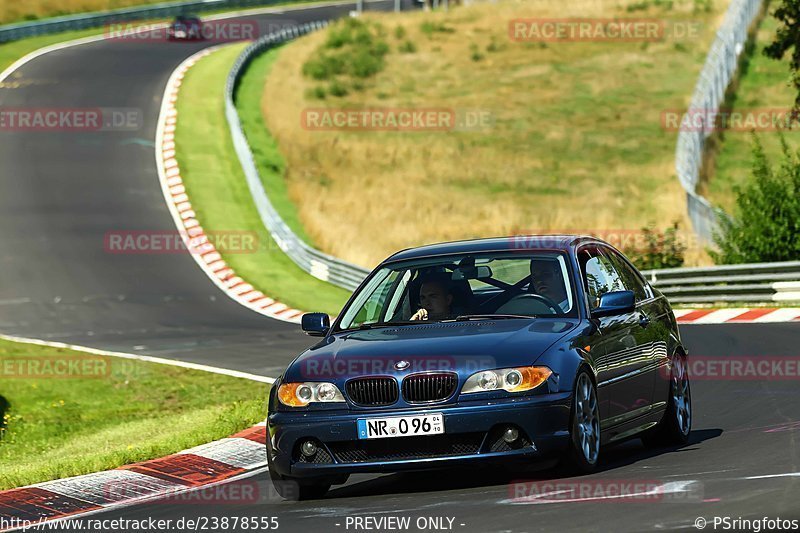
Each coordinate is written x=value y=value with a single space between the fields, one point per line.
x=625 y=385
x=653 y=331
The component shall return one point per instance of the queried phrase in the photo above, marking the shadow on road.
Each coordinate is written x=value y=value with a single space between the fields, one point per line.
x=614 y=457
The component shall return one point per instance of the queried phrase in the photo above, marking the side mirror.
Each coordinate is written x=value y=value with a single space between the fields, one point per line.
x=316 y=324
x=615 y=303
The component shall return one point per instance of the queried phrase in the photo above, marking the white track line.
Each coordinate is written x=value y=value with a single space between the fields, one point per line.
x=140 y=357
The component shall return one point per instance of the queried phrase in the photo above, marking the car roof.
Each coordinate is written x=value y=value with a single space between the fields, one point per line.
x=558 y=243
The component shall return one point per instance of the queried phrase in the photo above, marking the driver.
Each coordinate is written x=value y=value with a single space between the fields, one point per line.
x=435 y=299
x=547 y=281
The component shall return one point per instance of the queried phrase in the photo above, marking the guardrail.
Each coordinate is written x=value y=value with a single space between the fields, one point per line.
x=718 y=70
x=318 y=264
x=754 y=282
x=12 y=32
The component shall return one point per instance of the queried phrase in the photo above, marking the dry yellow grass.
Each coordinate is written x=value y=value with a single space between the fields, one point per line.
x=576 y=143
x=18 y=10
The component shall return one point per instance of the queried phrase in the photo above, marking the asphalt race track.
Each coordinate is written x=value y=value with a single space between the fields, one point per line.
x=61 y=192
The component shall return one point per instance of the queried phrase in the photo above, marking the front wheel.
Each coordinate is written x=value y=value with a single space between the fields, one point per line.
x=584 y=444
x=675 y=426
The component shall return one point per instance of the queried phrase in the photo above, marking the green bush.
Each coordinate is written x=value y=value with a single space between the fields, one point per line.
x=429 y=28
x=408 y=47
x=399 y=32
x=766 y=222
x=660 y=250
x=315 y=93
x=324 y=66
x=475 y=54
x=337 y=88
x=353 y=48
x=365 y=64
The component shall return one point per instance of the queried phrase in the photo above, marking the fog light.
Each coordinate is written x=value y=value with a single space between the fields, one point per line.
x=510 y=435
x=308 y=448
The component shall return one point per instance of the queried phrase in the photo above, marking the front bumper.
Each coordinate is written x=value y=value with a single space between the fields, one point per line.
x=472 y=430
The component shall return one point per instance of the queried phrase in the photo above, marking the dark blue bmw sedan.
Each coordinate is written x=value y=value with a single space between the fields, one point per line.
x=521 y=350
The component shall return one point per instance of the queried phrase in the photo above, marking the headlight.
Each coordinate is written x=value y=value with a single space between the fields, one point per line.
x=301 y=394
x=509 y=379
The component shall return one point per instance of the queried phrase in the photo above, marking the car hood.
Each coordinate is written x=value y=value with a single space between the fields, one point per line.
x=464 y=347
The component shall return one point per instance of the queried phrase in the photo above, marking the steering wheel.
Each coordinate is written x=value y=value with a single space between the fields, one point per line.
x=536 y=297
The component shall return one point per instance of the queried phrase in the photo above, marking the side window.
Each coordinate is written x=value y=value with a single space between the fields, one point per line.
x=600 y=276
x=630 y=279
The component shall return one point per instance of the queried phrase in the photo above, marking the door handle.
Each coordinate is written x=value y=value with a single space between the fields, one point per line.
x=644 y=320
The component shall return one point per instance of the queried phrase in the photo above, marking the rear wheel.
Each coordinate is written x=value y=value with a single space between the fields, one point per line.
x=583 y=452
x=675 y=426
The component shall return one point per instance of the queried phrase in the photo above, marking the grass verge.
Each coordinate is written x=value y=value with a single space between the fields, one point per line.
x=111 y=413
x=269 y=161
x=575 y=141
x=217 y=188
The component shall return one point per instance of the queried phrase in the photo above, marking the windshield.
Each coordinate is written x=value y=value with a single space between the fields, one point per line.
x=464 y=287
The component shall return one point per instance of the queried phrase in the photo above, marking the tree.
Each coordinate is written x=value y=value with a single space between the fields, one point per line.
x=786 y=37
x=766 y=226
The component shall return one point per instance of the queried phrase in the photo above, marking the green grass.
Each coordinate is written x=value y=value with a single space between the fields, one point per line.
x=574 y=140
x=269 y=160
x=764 y=83
x=54 y=428
x=216 y=185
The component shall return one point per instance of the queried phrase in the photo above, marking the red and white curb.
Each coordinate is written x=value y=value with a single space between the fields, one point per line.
x=203 y=250
x=238 y=456
x=758 y=315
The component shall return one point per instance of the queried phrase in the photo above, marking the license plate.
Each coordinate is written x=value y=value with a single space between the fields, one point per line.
x=400 y=426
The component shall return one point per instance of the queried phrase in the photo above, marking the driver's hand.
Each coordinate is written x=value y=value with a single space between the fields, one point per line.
x=422 y=314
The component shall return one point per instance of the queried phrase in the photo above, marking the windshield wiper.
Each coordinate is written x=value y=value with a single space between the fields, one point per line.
x=494 y=317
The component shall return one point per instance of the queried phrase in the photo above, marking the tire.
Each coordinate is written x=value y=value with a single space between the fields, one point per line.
x=296 y=489
x=676 y=424
x=583 y=452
